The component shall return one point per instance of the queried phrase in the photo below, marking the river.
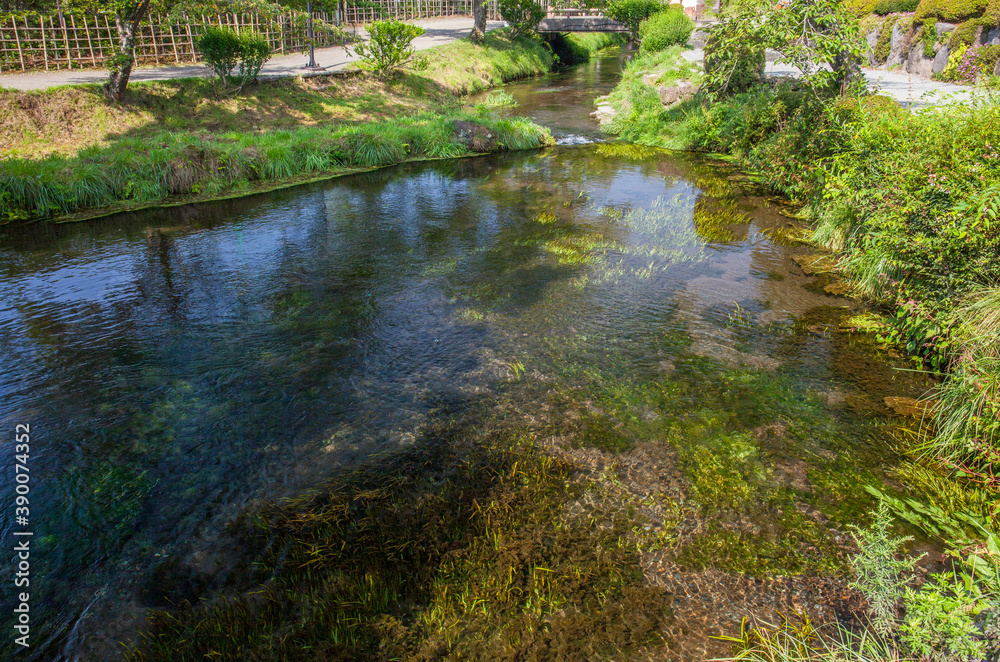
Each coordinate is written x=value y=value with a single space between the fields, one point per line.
x=177 y=366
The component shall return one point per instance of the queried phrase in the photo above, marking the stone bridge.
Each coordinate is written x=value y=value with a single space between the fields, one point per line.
x=591 y=20
x=570 y=20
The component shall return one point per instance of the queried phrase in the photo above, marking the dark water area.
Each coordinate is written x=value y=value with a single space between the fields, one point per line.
x=177 y=366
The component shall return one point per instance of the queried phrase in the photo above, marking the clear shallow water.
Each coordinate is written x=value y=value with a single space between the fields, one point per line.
x=178 y=365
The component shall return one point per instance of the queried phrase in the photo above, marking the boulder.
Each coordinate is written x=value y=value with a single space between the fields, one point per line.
x=672 y=93
x=475 y=137
x=944 y=28
x=872 y=39
x=940 y=60
x=919 y=64
x=604 y=114
x=996 y=69
x=896 y=54
x=993 y=37
x=651 y=78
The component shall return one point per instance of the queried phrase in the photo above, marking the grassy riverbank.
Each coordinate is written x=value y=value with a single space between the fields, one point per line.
x=574 y=47
x=187 y=139
x=909 y=202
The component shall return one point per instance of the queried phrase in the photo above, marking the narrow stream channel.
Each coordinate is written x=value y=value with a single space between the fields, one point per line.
x=177 y=366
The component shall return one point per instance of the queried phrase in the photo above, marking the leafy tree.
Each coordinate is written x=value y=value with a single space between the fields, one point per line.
x=522 y=15
x=631 y=13
x=128 y=15
x=478 y=22
x=819 y=37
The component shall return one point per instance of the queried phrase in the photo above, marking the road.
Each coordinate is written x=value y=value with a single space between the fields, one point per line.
x=438 y=31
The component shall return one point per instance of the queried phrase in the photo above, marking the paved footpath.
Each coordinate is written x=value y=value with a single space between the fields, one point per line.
x=911 y=91
x=437 y=31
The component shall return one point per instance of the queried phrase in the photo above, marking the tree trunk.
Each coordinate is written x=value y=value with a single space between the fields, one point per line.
x=127 y=23
x=478 y=21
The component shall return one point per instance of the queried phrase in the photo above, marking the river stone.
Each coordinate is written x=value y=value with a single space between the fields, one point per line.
x=872 y=39
x=604 y=114
x=940 y=60
x=475 y=137
x=909 y=406
x=818 y=263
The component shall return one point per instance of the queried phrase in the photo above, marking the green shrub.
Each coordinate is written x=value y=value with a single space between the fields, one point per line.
x=631 y=13
x=666 y=28
x=955 y=57
x=940 y=621
x=883 y=7
x=255 y=51
x=928 y=36
x=884 y=44
x=221 y=48
x=388 y=46
x=522 y=15
x=860 y=8
x=951 y=11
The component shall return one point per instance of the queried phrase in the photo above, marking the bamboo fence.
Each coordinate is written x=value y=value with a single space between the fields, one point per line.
x=74 y=41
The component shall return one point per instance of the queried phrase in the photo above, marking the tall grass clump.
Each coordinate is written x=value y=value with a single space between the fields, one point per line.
x=796 y=640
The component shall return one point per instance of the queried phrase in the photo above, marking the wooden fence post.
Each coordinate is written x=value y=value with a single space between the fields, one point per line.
x=41 y=30
x=173 y=42
x=69 y=53
x=17 y=39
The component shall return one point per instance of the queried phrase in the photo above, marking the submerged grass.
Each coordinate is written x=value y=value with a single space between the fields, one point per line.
x=909 y=199
x=459 y=550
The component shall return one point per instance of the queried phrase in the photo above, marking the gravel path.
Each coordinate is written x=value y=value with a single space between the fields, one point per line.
x=438 y=31
x=911 y=91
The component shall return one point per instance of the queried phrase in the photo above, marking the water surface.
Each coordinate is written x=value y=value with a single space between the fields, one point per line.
x=179 y=365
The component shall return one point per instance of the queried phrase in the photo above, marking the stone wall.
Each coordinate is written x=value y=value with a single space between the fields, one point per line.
x=907 y=53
